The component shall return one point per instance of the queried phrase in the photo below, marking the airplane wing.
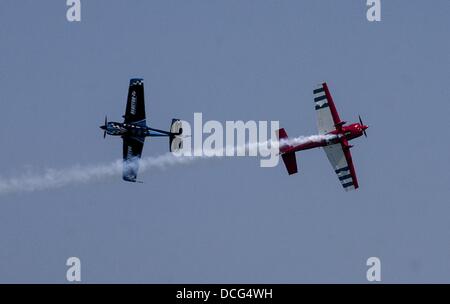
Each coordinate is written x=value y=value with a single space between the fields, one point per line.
x=135 y=110
x=132 y=150
x=327 y=115
x=342 y=163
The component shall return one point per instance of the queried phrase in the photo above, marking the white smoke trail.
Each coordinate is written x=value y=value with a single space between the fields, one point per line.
x=303 y=139
x=55 y=178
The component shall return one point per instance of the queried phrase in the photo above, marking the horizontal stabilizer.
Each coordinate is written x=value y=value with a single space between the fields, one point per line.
x=290 y=162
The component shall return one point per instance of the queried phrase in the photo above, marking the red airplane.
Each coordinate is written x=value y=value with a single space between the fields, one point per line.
x=336 y=144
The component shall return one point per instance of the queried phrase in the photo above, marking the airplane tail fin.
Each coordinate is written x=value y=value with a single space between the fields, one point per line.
x=175 y=138
x=288 y=158
x=283 y=138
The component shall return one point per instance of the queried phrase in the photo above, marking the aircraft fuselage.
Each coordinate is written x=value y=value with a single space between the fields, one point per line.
x=127 y=129
x=342 y=133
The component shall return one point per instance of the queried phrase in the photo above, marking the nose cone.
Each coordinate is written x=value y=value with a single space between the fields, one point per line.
x=364 y=127
x=103 y=127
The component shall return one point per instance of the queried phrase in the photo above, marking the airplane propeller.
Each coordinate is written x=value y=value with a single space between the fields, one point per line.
x=104 y=127
x=361 y=122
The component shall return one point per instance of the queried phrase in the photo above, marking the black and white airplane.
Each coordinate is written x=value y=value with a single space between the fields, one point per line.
x=134 y=130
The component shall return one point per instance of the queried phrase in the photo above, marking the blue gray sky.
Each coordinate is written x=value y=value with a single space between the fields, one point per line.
x=225 y=221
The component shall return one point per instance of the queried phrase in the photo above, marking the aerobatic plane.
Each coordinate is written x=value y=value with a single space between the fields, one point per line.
x=335 y=144
x=134 y=130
